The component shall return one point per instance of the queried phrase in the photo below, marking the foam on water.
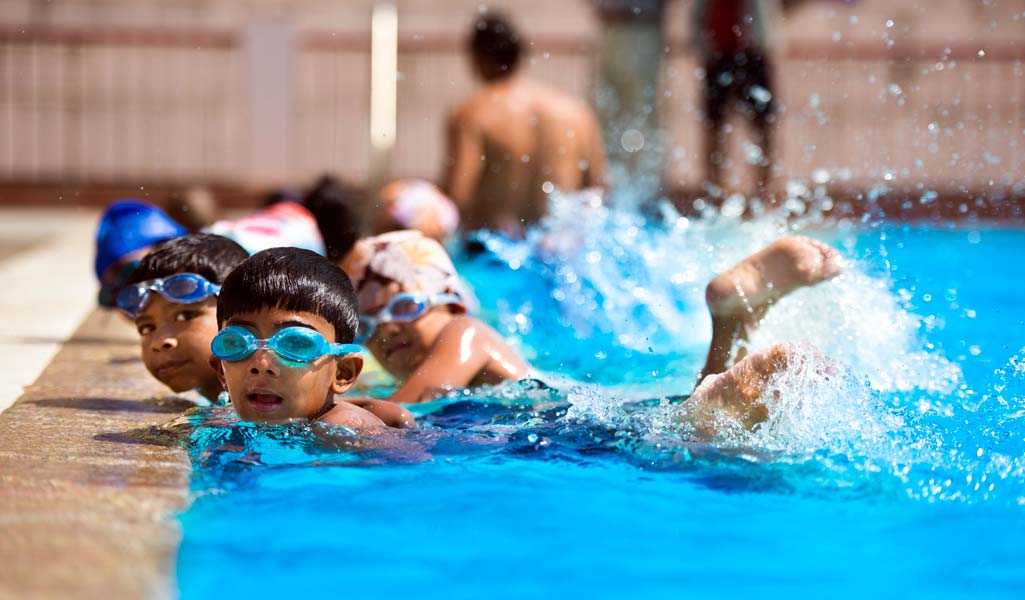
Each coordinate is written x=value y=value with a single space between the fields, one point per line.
x=889 y=409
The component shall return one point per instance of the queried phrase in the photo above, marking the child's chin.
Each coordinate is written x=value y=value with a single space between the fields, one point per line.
x=179 y=386
x=263 y=414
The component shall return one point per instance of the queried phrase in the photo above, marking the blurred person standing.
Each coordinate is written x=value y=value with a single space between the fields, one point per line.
x=515 y=141
x=630 y=49
x=733 y=39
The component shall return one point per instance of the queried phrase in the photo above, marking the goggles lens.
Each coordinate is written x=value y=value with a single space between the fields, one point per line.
x=294 y=343
x=401 y=308
x=183 y=288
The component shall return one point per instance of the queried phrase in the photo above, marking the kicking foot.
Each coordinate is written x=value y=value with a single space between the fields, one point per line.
x=746 y=290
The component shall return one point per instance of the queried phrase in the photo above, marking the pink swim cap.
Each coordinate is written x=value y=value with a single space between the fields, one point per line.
x=410 y=258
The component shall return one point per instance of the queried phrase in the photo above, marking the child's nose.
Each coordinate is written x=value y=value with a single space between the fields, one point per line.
x=163 y=344
x=388 y=328
x=263 y=363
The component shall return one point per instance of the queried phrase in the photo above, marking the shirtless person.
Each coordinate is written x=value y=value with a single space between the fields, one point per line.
x=515 y=140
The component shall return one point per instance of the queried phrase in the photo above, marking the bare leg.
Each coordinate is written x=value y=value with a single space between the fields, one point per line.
x=739 y=297
x=763 y=139
x=714 y=152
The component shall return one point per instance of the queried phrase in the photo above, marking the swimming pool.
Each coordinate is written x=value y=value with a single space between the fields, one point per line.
x=904 y=475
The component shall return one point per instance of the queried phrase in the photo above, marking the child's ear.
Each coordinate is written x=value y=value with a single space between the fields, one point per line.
x=218 y=367
x=347 y=369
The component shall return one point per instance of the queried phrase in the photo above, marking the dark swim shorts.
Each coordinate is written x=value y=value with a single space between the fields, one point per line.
x=742 y=77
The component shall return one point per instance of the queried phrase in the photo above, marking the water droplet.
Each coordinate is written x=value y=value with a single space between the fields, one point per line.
x=632 y=140
x=760 y=94
x=547 y=187
x=889 y=24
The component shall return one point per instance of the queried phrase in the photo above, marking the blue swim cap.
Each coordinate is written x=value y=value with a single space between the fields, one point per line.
x=128 y=225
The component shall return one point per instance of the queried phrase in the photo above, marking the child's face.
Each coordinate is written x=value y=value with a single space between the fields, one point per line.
x=400 y=346
x=266 y=387
x=175 y=342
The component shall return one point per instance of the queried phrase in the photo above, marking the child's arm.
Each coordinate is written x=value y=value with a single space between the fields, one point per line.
x=460 y=353
x=392 y=414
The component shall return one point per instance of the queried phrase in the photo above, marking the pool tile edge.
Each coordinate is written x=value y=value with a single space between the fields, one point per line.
x=87 y=506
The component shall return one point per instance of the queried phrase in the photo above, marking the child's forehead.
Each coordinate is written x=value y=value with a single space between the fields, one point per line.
x=378 y=290
x=159 y=308
x=271 y=319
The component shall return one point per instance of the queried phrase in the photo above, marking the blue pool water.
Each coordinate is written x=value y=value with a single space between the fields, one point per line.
x=903 y=475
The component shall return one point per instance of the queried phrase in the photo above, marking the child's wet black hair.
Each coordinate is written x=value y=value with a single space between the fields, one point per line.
x=291 y=279
x=206 y=254
x=337 y=207
x=494 y=37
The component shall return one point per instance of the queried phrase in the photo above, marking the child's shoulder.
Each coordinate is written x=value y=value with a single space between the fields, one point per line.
x=390 y=413
x=352 y=416
x=455 y=332
x=485 y=343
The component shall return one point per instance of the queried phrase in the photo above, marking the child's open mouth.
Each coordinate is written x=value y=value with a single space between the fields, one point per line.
x=265 y=402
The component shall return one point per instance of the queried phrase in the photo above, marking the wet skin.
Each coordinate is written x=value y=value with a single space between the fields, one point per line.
x=265 y=387
x=175 y=343
x=441 y=349
x=510 y=139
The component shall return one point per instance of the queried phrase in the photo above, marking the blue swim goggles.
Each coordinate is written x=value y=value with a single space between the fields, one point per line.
x=183 y=288
x=299 y=344
x=404 y=307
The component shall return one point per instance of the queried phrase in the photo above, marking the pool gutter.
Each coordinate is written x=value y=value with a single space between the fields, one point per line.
x=87 y=498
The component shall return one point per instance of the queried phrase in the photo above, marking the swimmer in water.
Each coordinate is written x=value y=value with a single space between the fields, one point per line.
x=285 y=350
x=738 y=299
x=172 y=299
x=413 y=318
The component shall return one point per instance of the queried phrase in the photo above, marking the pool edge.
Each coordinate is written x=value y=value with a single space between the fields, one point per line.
x=88 y=507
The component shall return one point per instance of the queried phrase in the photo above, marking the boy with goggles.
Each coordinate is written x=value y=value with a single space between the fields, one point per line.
x=413 y=319
x=288 y=317
x=172 y=299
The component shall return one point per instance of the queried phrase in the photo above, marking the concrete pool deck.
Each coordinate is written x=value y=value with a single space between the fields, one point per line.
x=87 y=503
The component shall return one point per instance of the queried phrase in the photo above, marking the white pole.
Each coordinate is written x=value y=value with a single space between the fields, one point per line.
x=384 y=59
